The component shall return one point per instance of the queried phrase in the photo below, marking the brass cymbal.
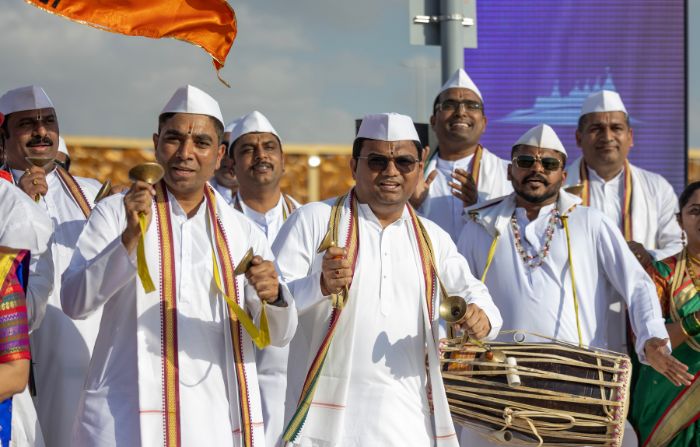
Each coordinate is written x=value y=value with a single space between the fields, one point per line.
x=576 y=189
x=40 y=162
x=244 y=263
x=326 y=243
x=104 y=191
x=453 y=309
x=147 y=172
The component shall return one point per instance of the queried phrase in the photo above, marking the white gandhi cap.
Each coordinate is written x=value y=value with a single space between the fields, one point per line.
x=21 y=99
x=252 y=122
x=460 y=79
x=388 y=127
x=541 y=136
x=190 y=99
x=603 y=101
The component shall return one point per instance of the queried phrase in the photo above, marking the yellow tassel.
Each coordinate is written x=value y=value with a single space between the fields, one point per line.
x=141 y=265
x=261 y=336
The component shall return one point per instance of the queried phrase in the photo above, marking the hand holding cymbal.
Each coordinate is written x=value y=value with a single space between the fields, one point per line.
x=33 y=182
x=137 y=203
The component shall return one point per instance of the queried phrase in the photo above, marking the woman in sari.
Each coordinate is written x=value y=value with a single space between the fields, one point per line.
x=664 y=414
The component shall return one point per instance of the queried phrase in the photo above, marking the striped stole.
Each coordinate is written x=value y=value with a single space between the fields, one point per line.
x=626 y=225
x=168 y=318
x=352 y=244
x=75 y=190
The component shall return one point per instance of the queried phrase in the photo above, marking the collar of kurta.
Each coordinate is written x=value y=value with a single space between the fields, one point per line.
x=495 y=215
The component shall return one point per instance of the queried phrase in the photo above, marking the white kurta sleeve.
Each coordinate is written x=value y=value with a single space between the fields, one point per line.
x=100 y=266
x=668 y=238
x=26 y=226
x=39 y=287
x=295 y=251
x=631 y=281
x=458 y=279
x=282 y=321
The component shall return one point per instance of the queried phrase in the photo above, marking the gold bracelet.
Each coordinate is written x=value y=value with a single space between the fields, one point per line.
x=680 y=322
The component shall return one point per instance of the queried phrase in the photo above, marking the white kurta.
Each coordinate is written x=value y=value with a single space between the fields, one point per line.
x=383 y=326
x=654 y=224
x=16 y=210
x=103 y=274
x=225 y=192
x=540 y=299
x=271 y=361
x=445 y=209
x=61 y=347
x=654 y=206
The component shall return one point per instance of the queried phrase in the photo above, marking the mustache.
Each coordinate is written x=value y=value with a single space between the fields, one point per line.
x=536 y=177
x=261 y=163
x=40 y=141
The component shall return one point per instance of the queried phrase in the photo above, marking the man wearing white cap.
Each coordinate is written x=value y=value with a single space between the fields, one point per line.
x=519 y=243
x=258 y=164
x=641 y=203
x=363 y=271
x=61 y=347
x=174 y=363
x=461 y=172
x=16 y=209
x=224 y=179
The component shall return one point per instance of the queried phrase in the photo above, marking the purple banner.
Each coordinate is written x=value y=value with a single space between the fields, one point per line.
x=537 y=60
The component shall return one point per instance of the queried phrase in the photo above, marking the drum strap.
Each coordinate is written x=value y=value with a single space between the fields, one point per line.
x=489 y=259
x=565 y=222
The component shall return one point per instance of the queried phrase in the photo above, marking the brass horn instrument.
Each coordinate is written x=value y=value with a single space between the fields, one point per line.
x=453 y=309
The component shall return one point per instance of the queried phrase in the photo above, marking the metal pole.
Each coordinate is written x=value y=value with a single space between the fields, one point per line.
x=451 y=37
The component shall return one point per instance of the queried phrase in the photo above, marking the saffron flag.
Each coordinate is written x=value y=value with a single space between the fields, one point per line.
x=210 y=24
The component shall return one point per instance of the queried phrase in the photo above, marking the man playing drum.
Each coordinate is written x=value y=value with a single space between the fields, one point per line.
x=522 y=243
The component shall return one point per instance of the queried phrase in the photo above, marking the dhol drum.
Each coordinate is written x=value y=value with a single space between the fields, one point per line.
x=549 y=394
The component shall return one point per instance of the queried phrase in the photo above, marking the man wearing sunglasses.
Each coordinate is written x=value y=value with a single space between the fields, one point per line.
x=361 y=268
x=544 y=245
x=460 y=172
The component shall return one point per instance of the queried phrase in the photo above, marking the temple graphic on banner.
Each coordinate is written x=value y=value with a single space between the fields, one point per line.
x=556 y=109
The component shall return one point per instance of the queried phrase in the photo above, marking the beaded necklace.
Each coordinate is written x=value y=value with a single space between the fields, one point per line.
x=538 y=259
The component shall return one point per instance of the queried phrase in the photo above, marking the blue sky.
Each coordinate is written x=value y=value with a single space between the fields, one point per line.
x=311 y=66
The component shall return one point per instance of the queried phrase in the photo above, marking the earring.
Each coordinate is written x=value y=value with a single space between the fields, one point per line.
x=683 y=238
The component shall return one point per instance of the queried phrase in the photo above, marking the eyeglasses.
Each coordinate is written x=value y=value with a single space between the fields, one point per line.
x=451 y=105
x=378 y=163
x=528 y=161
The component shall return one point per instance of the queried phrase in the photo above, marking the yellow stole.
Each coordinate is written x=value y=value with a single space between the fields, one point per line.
x=626 y=225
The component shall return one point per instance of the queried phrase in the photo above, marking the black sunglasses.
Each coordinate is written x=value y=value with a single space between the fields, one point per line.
x=528 y=161
x=378 y=163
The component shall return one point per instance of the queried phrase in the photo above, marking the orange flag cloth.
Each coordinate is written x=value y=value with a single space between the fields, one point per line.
x=210 y=24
